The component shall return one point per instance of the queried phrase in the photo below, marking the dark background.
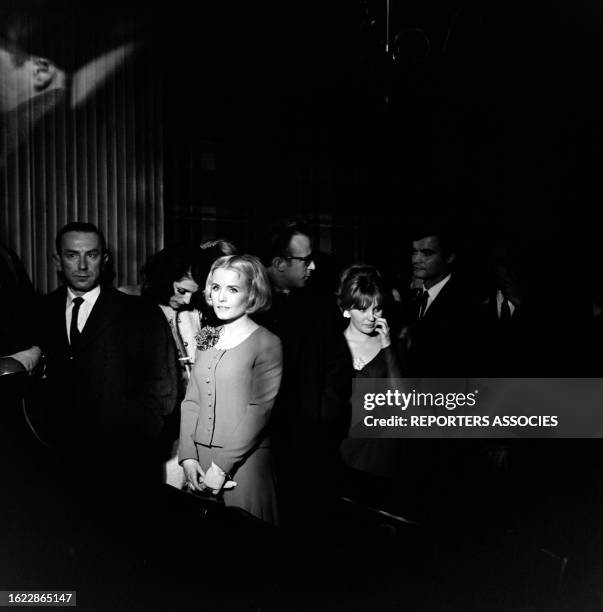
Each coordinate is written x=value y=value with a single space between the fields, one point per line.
x=273 y=110
x=231 y=114
x=234 y=114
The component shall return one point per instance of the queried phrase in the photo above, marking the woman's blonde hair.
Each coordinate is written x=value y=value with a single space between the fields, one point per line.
x=260 y=294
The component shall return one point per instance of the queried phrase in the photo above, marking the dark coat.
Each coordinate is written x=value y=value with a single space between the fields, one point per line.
x=303 y=320
x=507 y=350
x=446 y=341
x=111 y=394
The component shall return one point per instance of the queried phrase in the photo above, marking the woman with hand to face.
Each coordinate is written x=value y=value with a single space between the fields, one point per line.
x=361 y=296
x=224 y=446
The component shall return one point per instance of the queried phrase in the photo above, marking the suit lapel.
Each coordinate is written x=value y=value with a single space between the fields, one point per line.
x=439 y=303
x=105 y=311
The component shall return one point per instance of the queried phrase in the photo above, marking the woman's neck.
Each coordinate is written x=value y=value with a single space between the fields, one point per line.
x=237 y=326
x=234 y=332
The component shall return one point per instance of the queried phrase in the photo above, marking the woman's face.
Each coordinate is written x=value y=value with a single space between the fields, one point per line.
x=183 y=292
x=229 y=294
x=365 y=319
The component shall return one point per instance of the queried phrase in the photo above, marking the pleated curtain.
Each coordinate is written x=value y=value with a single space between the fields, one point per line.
x=100 y=161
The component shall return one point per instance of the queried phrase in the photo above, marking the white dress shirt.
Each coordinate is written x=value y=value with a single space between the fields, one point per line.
x=85 y=308
x=434 y=291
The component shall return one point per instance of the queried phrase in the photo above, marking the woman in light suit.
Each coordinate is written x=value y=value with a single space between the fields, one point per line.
x=224 y=444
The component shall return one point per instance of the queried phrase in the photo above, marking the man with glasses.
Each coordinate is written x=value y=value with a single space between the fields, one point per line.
x=290 y=262
x=299 y=317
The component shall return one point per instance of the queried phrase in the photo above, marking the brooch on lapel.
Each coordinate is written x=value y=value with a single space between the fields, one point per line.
x=207 y=337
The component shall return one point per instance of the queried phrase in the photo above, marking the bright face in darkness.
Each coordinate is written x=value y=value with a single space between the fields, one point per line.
x=229 y=294
x=365 y=319
x=81 y=261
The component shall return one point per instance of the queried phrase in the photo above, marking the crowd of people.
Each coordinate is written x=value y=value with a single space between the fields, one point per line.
x=221 y=370
x=228 y=380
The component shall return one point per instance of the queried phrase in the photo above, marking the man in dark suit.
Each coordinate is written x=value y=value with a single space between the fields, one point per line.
x=110 y=362
x=302 y=319
x=289 y=262
x=443 y=336
x=444 y=343
x=507 y=347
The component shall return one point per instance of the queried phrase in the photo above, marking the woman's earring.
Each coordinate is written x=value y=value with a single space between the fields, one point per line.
x=346 y=314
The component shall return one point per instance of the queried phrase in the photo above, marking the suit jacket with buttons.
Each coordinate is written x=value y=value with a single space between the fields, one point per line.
x=229 y=399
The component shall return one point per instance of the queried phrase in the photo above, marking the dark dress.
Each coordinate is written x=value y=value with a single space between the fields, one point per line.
x=378 y=456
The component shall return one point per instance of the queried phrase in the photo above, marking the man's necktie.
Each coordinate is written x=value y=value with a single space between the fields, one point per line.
x=423 y=301
x=505 y=310
x=74 y=332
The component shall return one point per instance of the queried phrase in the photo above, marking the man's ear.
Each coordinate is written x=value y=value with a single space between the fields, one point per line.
x=279 y=263
x=57 y=262
x=450 y=259
x=44 y=73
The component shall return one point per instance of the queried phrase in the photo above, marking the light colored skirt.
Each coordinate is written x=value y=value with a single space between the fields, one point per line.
x=256 y=484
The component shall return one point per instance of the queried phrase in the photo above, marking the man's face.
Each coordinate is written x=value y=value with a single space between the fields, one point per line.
x=299 y=265
x=81 y=261
x=428 y=262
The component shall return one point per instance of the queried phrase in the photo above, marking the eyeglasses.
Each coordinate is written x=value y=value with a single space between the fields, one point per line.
x=308 y=259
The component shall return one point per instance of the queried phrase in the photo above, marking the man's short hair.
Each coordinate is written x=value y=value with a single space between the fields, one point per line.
x=260 y=294
x=279 y=240
x=79 y=226
x=442 y=231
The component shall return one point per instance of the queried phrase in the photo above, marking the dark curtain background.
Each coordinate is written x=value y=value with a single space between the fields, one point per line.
x=100 y=161
x=229 y=116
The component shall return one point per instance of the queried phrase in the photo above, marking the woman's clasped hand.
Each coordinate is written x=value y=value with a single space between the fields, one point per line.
x=214 y=479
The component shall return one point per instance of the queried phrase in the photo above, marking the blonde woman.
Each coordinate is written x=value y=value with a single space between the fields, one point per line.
x=224 y=443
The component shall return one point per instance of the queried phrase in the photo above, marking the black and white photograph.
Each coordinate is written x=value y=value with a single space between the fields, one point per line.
x=301 y=305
